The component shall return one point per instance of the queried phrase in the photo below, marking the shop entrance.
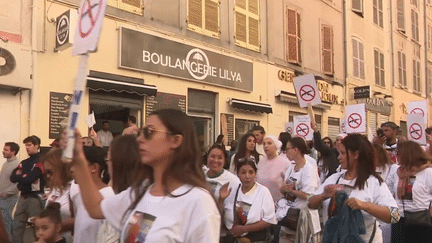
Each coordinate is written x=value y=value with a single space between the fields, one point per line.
x=204 y=130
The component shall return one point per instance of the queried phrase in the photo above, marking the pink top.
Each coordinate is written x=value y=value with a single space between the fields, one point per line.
x=132 y=130
x=271 y=174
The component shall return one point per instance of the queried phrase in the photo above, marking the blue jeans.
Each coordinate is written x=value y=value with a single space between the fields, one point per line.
x=7 y=205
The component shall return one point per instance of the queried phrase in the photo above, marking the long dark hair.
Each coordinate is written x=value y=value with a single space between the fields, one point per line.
x=97 y=155
x=186 y=164
x=241 y=150
x=366 y=157
x=300 y=144
x=125 y=162
x=331 y=141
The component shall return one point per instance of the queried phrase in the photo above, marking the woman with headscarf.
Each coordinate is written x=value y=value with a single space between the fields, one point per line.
x=272 y=167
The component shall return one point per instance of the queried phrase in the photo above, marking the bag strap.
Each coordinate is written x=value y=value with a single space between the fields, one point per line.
x=373 y=232
x=235 y=202
x=337 y=182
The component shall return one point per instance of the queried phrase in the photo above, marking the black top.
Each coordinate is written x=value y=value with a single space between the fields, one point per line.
x=63 y=240
x=31 y=170
x=329 y=155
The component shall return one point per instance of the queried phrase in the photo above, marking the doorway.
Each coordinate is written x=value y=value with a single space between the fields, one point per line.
x=204 y=130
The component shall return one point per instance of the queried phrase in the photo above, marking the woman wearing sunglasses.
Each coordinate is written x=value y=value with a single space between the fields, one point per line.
x=169 y=200
x=59 y=179
x=364 y=187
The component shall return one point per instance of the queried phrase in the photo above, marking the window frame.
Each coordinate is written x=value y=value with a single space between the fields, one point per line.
x=329 y=50
x=296 y=36
x=400 y=13
x=378 y=13
x=248 y=14
x=119 y=4
x=415 y=26
x=416 y=76
x=355 y=10
x=379 y=68
x=202 y=29
x=358 y=59
x=402 y=69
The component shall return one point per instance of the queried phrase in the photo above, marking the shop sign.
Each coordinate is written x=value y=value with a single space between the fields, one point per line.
x=326 y=95
x=285 y=75
x=361 y=92
x=65 y=29
x=377 y=105
x=145 y=52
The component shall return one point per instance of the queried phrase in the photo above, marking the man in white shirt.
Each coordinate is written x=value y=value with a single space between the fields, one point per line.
x=259 y=133
x=105 y=136
x=8 y=190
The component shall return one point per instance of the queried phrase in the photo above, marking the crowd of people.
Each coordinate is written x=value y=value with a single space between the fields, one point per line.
x=154 y=185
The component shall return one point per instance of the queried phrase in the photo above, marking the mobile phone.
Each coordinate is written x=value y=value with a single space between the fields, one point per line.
x=380 y=132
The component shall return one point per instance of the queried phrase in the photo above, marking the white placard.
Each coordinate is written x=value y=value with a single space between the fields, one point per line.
x=302 y=127
x=419 y=107
x=90 y=120
x=90 y=19
x=355 y=118
x=307 y=90
x=342 y=128
x=289 y=127
x=416 y=128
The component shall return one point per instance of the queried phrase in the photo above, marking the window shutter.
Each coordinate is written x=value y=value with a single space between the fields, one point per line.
x=361 y=58
x=382 y=72
x=254 y=37
x=253 y=6
x=240 y=27
x=292 y=43
x=298 y=38
x=212 y=16
x=357 y=6
x=404 y=64
x=195 y=13
x=356 y=60
x=375 y=11
x=400 y=68
x=241 y=4
x=377 y=70
x=135 y=3
x=131 y=6
x=400 y=15
x=327 y=49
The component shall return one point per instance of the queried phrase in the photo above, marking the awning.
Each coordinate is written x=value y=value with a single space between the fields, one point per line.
x=107 y=85
x=292 y=98
x=250 y=106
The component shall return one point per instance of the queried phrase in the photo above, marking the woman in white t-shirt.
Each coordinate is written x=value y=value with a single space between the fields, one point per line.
x=365 y=188
x=59 y=179
x=169 y=200
x=249 y=211
x=216 y=176
x=301 y=179
x=413 y=188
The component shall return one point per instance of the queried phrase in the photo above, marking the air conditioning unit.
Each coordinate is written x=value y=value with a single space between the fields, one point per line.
x=15 y=65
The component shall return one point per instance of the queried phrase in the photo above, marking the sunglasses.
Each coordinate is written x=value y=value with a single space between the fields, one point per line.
x=148 y=132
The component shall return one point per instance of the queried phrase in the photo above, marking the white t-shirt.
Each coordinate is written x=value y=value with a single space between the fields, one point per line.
x=105 y=137
x=372 y=192
x=217 y=182
x=305 y=180
x=62 y=197
x=421 y=195
x=260 y=149
x=269 y=174
x=86 y=228
x=257 y=205
x=191 y=216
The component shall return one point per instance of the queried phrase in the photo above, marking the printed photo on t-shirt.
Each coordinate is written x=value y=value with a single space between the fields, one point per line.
x=289 y=196
x=408 y=189
x=242 y=211
x=138 y=227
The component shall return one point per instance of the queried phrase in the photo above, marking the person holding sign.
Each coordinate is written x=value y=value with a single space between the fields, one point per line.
x=169 y=200
x=413 y=189
x=364 y=187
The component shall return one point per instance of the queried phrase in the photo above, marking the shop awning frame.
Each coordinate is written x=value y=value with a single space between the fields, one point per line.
x=107 y=85
x=292 y=98
x=250 y=106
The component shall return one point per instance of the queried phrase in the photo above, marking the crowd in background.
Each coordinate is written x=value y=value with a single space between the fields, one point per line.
x=154 y=185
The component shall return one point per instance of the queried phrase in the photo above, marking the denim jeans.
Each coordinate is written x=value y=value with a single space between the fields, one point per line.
x=7 y=205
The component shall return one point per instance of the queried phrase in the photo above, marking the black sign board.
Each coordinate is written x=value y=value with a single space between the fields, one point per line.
x=227 y=127
x=154 y=54
x=164 y=100
x=361 y=92
x=64 y=34
x=59 y=111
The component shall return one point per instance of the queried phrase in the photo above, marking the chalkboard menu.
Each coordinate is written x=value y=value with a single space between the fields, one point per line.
x=59 y=111
x=165 y=100
x=227 y=127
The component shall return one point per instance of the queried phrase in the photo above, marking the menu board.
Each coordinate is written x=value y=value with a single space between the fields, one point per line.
x=59 y=111
x=227 y=127
x=165 y=100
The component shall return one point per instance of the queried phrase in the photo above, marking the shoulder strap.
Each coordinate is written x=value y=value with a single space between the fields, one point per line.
x=235 y=202
x=337 y=182
x=373 y=232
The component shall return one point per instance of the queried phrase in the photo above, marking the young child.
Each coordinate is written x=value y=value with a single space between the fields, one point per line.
x=48 y=225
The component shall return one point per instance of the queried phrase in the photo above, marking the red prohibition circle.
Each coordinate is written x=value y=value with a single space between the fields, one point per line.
x=307 y=90
x=302 y=129
x=417 y=111
x=89 y=12
x=356 y=119
x=416 y=131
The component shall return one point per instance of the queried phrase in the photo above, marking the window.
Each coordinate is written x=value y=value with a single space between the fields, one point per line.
x=134 y=6
x=357 y=6
x=429 y=78
x=242 y=126
x=379 y=68
x=293 y=36
x=327 y=49
x=401 y=15
x=358 y=59
x=402 y=69
x=429 y=37
x=247 y=24
x=414 y=25
x=378 y=16
x=416 y=76
x=203 y=17
x=415 y=3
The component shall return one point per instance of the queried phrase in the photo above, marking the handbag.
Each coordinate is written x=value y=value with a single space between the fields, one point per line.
x=417 y=218
x=291 y=218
